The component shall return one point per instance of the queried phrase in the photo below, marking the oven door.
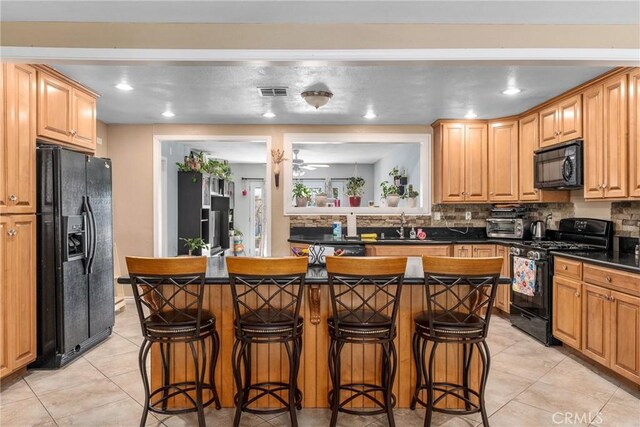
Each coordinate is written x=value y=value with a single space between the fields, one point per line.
x=538 y=303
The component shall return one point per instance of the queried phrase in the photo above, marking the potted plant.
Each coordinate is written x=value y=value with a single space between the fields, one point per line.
x=355 y=185
x=412 y=197
x=194 y=244
x=390 y=193
x=321 y=199
x=301 y=193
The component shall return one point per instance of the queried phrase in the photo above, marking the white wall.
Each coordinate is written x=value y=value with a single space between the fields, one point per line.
x=174 y=152
x=345 y=171
x=406 y=156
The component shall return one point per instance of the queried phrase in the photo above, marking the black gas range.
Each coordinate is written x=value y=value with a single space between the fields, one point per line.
x=532 y=271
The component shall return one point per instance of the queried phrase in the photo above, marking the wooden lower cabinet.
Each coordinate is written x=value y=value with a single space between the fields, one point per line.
x=596 y=313
x=567 y=311
x=408 y=250
x=503 y=295
x=625 y=335
x=17 y=292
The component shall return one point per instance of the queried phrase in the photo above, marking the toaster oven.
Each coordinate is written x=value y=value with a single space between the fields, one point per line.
x=508 y=228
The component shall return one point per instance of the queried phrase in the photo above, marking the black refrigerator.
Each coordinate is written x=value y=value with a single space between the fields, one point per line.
x=75 y=254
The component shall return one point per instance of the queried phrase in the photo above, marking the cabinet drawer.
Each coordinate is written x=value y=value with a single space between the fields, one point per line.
x=612 y=279
x=568 y=268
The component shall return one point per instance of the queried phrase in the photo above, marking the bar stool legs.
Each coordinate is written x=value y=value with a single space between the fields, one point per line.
x=425 y=363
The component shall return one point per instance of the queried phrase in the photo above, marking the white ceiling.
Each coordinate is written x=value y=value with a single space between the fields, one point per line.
x=316 y=11
x=399 y=93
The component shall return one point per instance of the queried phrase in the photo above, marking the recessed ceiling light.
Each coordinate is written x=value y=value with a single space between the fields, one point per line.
x=511 y=91
x=124 y=86
x=268 y=115
x=370 y=115
x=470 y=115
x=168 y=114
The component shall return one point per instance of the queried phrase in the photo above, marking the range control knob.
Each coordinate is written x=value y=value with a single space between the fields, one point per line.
x=533 y=255
x=515 y=251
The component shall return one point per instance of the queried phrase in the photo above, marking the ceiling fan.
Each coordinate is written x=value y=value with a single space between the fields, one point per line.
x=299 y=164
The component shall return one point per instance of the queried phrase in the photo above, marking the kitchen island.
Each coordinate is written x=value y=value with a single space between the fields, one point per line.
x=270 y=363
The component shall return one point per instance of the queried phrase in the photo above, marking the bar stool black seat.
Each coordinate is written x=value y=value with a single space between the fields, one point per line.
x=267 y=295
x=460 y=294
x=364 y=296
x=169 y=296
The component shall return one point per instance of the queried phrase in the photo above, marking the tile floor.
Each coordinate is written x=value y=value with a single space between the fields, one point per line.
x=529 y=385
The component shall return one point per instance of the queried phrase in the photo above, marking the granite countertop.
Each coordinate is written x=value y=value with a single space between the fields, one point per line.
x=328 y=239
x=617 y=260
x=217 y=273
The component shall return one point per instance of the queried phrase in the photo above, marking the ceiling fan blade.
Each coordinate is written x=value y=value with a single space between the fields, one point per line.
x=308 y=167
x=320 y=165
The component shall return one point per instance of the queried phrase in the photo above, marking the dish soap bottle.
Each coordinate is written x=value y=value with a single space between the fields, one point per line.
x=412 y=233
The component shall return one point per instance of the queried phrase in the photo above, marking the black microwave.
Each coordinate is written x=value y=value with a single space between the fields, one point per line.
x=559 y=166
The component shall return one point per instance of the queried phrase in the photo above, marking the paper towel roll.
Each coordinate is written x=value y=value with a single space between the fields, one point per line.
x=352 y=229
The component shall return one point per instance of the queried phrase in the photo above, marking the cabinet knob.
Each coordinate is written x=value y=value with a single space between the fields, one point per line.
x=13 y=197
x=612 y=298
x=73 y=133
x=564 y=267
x=604 y=186
x=608 y=279
x=12 y=232
x=577 y=294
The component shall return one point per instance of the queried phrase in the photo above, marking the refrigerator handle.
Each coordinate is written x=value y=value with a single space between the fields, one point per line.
x=87 y=233
x=94 y=231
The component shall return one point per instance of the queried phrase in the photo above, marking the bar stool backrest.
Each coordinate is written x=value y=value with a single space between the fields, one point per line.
x=269 y=290
x=168 y=291
x=365 y=290
x=460 y=291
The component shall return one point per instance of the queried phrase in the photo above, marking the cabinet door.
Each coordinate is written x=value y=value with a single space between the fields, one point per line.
x=570 y=118
x=503 y=161
x=23 y=307
x=549 y=126
x=463 y=251
x=54 y=108
x=476 y=163
x=634 y=133
x=625 y=335
x=596 y=321
x=593 y=143
x=503 y=295
x=484 y=251
x=567 y=311
x=5 y=298
x=528 y=142
x=19 y=159
x=83 y=128
x=453 y=165
x=615 y=137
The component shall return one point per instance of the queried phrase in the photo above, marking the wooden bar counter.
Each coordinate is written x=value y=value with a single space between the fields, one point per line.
x=359 y=363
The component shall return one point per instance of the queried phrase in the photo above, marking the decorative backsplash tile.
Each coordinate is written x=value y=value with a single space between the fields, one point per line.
x=626 y=218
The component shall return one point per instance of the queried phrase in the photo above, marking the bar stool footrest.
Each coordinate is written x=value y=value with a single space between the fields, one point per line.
x=180 y=389
x=268 y=389
x=366 y=391
x=450 y=389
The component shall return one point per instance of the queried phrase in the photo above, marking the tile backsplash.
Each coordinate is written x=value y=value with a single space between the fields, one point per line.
x=625 y=215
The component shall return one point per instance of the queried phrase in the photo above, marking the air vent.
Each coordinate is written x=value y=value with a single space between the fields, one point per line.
x=272 y=91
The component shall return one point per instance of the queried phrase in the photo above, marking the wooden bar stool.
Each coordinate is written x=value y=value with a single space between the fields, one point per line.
x=460 y=294
x=364 y=296
x=267 y=294
x=169 y=294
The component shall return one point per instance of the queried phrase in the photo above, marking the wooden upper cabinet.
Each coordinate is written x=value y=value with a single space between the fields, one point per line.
x=66 y=112
x=528 y=142
x=5 y=298
x=606 y=155
x=561 y=121
x=503 y=161
x=453 y=163
x=476 y=163
x=593 y=147
x=634 y=133
x=615 y=137
x=18 y=157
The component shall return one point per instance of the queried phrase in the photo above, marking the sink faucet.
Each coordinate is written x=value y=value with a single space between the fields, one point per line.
x=402 y=224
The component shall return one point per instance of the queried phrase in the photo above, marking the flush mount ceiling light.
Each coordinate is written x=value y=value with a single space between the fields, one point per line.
x=124 y=86
x=511 y=91
x=316 y=98
x=470 y=115
x=370 y=115
x=268 y=115
x=168 y=114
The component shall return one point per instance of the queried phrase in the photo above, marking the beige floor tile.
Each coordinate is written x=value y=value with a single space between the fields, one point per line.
x=123 y=413
x=25 y=412
x=111 y=366
x=84 y=397
x=76 y=373
x=529 y=367
x=532 y=348
x=15 y=391
x=556 y=399
x=131 y=383
x=626 y=397
x=617 y=415
x=497 y=343
x=112 y=346
x=213 y=417
x=409 y=418
x=521 y=415
x=574 y=376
